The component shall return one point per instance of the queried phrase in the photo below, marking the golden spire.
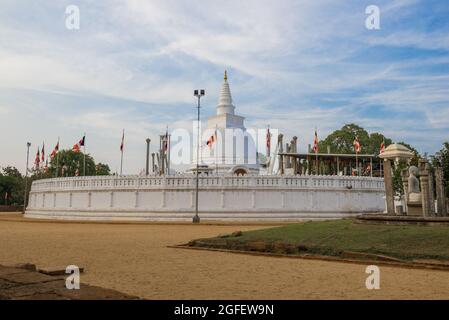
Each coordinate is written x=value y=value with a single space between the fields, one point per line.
x=226 y=76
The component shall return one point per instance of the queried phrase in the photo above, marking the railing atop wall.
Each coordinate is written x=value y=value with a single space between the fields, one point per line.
x=207 y=181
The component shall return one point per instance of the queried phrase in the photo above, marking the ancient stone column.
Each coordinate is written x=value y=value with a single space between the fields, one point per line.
x=404 y=175
x=388 y=180
x=424 y=182
x=281 y=159
x=431 y=194
x=294 y=149
x=440 y=190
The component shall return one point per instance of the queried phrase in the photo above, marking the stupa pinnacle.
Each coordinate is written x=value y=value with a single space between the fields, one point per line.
x=225 y=101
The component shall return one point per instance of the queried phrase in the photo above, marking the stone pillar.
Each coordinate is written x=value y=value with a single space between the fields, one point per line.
x=111 y=200
x=404 y=175
x=163 y=199
x=152 y=162
x=253 y=199
x=440 y=190
x=389 y=192
x=287 y=162
x=147 y=162
x=89 y=199
x=424 y=182
x=283 y=199
x=222 y=198
x=431 y=194
x=294 y=149
x=281 y=158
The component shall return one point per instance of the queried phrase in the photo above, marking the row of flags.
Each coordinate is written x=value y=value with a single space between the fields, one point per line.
x=356 y=143
x=40 y=154
x=40 y=159
x=213 y=138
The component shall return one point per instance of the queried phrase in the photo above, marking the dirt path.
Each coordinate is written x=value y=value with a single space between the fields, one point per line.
x=134 y=258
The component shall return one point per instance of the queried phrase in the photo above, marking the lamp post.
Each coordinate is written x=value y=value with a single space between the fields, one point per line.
x=198 y=94
x=25 y=193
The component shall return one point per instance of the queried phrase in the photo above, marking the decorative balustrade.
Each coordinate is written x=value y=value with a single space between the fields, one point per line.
x=187 y=181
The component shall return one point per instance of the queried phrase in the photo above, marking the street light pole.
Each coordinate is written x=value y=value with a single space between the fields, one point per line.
x=198 y=94
x=25 y=193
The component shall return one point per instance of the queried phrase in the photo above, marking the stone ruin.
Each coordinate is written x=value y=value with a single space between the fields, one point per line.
x=420 y=188
x=422 y=185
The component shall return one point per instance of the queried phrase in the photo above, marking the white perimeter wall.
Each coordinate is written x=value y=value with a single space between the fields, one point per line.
x=220 y=197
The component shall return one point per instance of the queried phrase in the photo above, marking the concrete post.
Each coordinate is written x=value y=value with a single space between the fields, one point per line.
x=440 y=190
x=424 y=182
x=389 y=193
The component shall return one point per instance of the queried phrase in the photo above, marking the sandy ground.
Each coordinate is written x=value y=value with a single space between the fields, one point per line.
x=134 y=258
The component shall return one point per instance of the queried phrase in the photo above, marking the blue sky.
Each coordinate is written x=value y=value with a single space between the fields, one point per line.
x=295 y=65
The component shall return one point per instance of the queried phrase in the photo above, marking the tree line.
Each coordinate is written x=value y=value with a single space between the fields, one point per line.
x=341 y=141
x=66 y=163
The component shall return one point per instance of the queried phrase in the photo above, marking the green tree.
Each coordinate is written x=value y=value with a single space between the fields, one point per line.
x=102 y=169
x=12 y=185
x=68 y=162
x=375 y=141
x=12 y=172
x=441 y=159
x=414 y=161
x=342 y=140
x=12 y=182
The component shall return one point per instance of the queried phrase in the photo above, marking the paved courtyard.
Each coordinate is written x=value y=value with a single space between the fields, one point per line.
x=134 y=259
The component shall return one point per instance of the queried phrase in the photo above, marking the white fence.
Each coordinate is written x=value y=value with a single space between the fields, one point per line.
x=221 y=197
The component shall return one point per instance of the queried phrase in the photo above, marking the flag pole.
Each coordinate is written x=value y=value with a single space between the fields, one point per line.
x=121 y=151
x=121 y=163
x=316 y=152
x=216 y=151
x=57 y=160
x=168 y=150
x=84 y=160
x=268 y=145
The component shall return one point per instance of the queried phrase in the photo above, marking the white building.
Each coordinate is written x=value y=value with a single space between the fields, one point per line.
x=234 y=148
x=223 y=196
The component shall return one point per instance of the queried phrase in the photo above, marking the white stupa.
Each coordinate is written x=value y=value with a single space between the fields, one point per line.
x=234 y=150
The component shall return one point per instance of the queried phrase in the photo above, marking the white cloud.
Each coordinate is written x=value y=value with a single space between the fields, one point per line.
x=134 y=64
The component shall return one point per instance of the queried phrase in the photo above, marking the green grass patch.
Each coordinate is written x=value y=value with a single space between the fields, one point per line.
x=407 y=242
